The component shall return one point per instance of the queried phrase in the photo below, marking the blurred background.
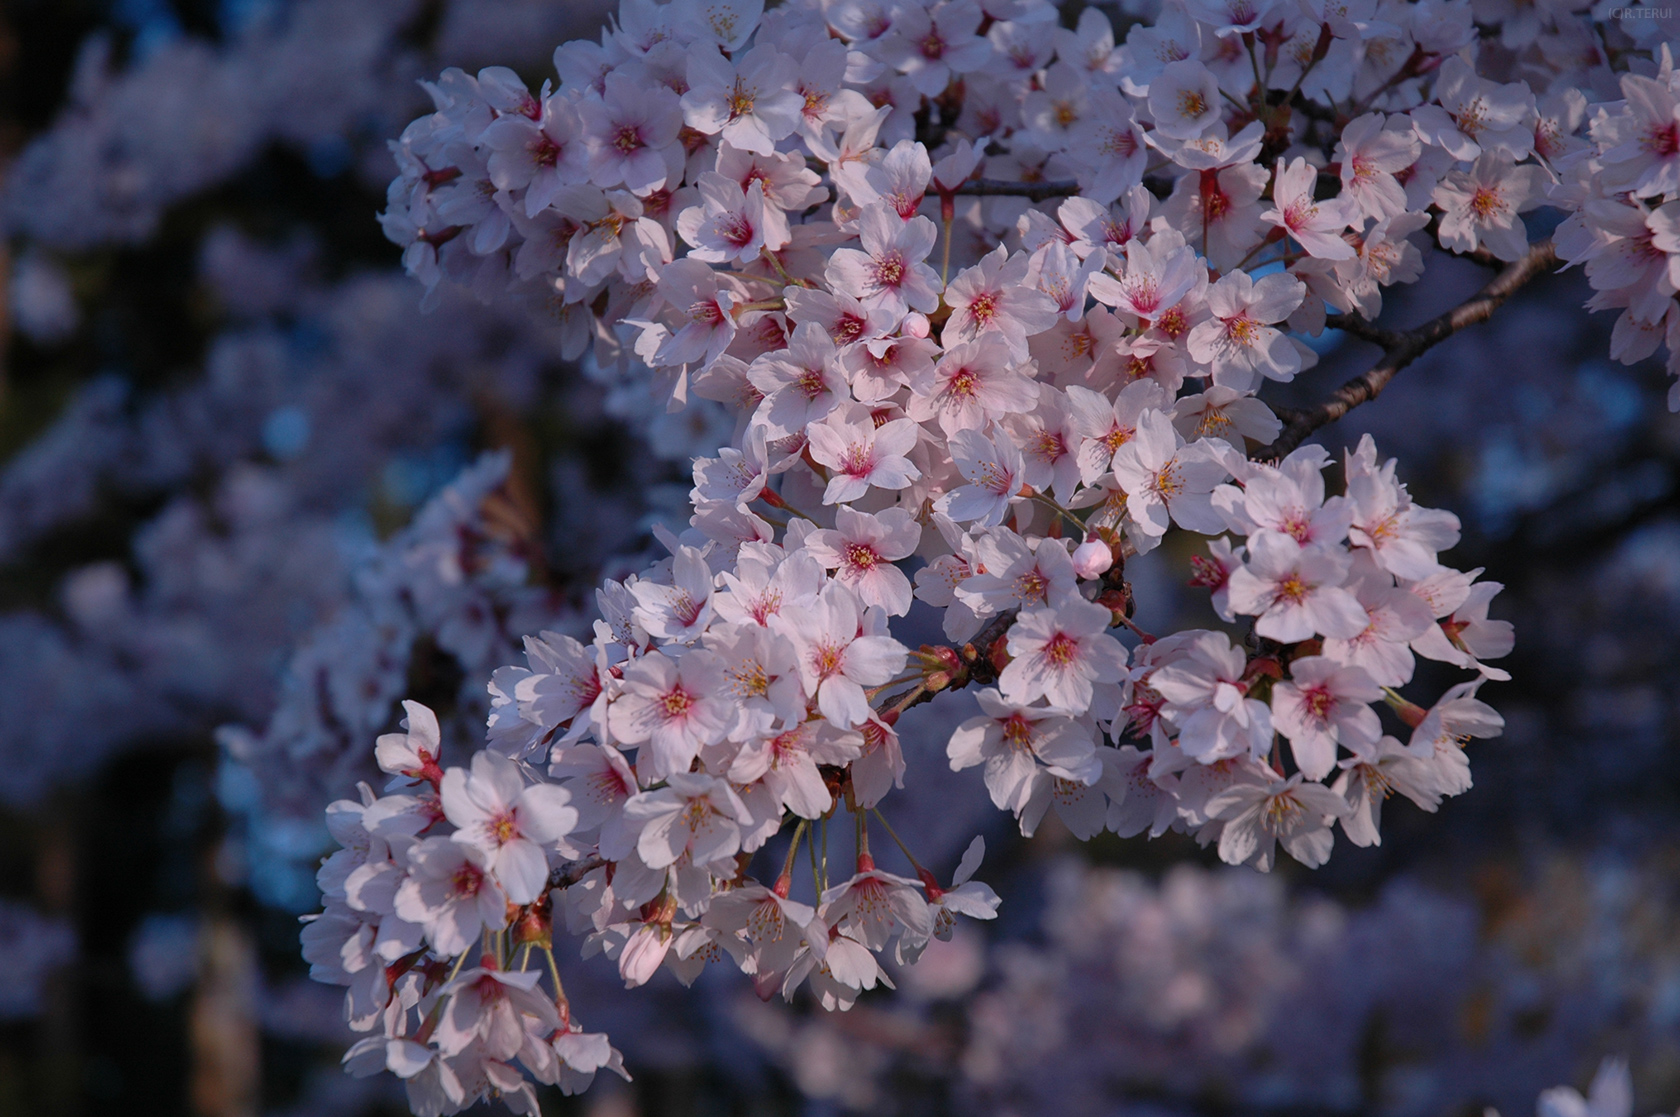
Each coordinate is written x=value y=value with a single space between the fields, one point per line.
x=245 y=507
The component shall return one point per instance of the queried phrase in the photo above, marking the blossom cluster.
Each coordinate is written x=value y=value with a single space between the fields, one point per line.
x=1621 y=183
x=993 y=300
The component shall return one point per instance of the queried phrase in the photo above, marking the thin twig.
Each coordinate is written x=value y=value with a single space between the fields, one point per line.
x=1401 y=348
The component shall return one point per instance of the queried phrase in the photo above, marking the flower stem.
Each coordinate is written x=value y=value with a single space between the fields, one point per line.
x=893 y=834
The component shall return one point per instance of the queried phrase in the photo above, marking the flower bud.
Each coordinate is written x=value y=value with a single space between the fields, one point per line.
x=1092 y=558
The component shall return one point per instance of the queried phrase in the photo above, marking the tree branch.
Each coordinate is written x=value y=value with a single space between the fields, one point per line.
x=1403 y=347
x=1002 y=188
x=980 y=669
x=567 y=875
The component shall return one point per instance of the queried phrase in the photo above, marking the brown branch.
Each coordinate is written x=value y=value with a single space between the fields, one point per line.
x=567 y=875
x=1363 y=330
x=979 y=669
x=1001 y=188
x=1403 y=347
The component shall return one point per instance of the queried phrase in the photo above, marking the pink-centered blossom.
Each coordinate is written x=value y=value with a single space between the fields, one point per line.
x=1240 y=341
x=836 y=658
x=862 y=549
x=1059 y=653
x=973 y=383
x=510 y=822
x=451 y=892
x=632 y=131
x=1167 y=480
x=993 y=469
x=993 y=298
x=888 y=272
x=1316 y=226
x=672 y=708
x=750 y=102
x=1207 y=698
x=860 y=455
x=1323 y=704
x=1296 y=591
x=693 y=815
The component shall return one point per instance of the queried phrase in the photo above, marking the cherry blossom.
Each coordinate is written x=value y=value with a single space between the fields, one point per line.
x=750 y=103
x=862 y=455
x=509 y=822
x=888 y=272
x=836 y=659
x=737 y=214
x=1059 y=653
x=675 y=706
x=862 y=548
x=1296 y=591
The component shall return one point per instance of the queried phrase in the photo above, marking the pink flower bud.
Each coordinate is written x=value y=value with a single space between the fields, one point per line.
x=1091 y=559
x=915 y=324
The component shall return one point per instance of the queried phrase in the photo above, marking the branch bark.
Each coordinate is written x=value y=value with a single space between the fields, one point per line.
x=569 y=874
x=1001 y=188
x=1403 y=347
x=980 y=669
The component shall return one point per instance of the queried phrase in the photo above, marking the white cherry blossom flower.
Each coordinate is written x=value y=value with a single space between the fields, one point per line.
x=836 y=658
x=1475 y=115
x=672 y=708
x=993 y=469
x=1371 y=152
x=1323 y=704
x=888 y=272
x=875 y=907
x=1371 y=775
x=1015 y=743
x=973 y=383
x=1184 y=99
x=993 y=298
x=750 y=103
x=1397 y=617
x=538 y=156
x=899 y=179
x=412 y=754
x=1258 y=816
x=1165 y=477
x=731 y=224
x=1481 y=207
x=510 y=822
x=1402 y=537
x=1641 y=147
x=862 y=549
x=681 y=610
x=1059 y=653
x=1206 y=697
x=861 y=455
x=630 y=130
x=801 y=384
x=451 y=892
x=693 y=815
x=1017 y=574
x=1296 y=591
x=772 y=926
x=1316 y=226
x=1240 y=341
x=787 y=764
x=932 y=47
